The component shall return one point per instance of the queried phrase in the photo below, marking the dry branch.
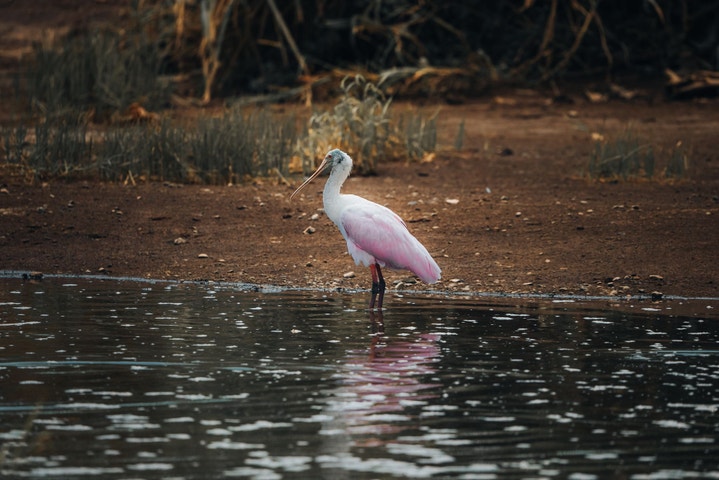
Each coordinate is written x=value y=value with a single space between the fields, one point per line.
x=214 y=17
x=288 y=36
x=695 y=84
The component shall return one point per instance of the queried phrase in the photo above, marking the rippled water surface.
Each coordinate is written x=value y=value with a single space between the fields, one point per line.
x=128 y=380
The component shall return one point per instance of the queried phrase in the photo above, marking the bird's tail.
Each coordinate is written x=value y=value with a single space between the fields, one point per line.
x=427 y=270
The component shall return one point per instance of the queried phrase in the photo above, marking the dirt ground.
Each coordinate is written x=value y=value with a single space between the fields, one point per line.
x=510 y=212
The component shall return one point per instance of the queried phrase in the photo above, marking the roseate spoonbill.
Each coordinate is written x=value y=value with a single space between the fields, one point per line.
x=376 y=236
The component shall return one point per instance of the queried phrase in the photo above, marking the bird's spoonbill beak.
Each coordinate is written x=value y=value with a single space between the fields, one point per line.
x=319 y=170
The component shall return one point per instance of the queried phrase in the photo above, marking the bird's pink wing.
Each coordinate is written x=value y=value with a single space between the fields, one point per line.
x=381 y=233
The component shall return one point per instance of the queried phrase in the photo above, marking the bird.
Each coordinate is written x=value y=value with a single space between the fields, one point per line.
x=376 y=236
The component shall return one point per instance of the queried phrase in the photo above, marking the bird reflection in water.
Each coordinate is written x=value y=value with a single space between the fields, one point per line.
x=383 y=388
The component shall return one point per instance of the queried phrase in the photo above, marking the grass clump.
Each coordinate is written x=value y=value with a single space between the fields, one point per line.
x=419 y=134
x=362 y=125
x=151 y=152
x=48 y=149
x=211 y=150
x=238 y=146
x=358 y=124
x=678 y=162
x=627 y=157
x=103 y=71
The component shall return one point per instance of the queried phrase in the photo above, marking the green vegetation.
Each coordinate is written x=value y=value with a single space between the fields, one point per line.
x=78 y=88
x=627 y=157
x=227 y=149
x=99 y=72
x=361 y=124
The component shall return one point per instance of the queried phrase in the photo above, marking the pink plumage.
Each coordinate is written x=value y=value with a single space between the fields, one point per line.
x=372 y=230
x=375 y=235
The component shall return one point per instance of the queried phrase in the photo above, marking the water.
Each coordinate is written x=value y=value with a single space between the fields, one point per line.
x=130 y=380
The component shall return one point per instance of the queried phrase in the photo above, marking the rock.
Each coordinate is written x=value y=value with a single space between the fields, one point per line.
x=505 y=152
x=309 y=230
x=315 y=216
x=179 y=241
x=349 y=274
x=203 y=255
x=32 y=276
x=451 y=201
x=657 y=295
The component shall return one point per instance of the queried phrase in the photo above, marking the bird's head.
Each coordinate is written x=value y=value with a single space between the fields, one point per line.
x=335 y=159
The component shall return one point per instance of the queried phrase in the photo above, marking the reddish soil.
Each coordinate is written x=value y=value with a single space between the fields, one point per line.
x=526 y=218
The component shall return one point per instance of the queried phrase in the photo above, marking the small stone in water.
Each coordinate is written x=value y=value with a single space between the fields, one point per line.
x=32 y=276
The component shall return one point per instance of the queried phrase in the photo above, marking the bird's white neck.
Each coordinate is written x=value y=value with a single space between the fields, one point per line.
x=331 y=197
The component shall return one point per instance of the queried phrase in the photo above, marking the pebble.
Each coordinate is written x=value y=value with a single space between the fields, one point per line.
x=315 y=216
x=451 y=201
x=203 y=255
x=32 y=276
x=179 y=241
x=349 y=274
x=309 y=230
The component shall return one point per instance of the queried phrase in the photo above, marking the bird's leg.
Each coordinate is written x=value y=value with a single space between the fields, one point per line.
x=378 y=286
x=375 y=285
x=381 y=288
x=377 y=320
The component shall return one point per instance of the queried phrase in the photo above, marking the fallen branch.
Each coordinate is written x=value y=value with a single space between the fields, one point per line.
x=703 y=83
